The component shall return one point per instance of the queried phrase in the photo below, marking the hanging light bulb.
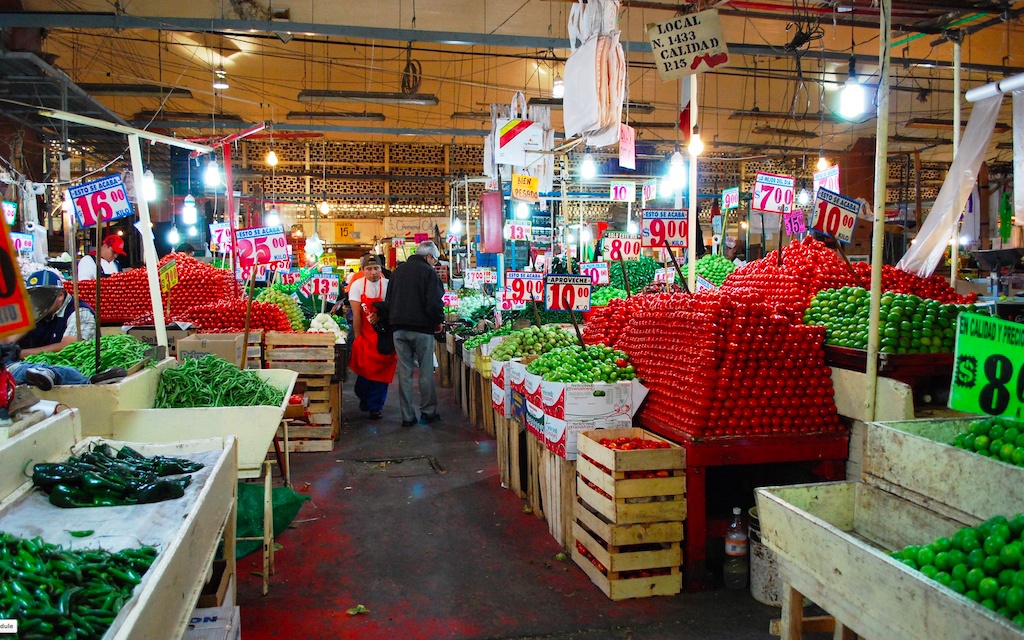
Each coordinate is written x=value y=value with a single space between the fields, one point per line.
x=696 y=146
x=456 y=227
x=665 y=188
x=586 y=235
x=852 y=99
x=803 y=198
x=211 y=176
x=173 y=237
x=271 y=158
x=324 y=207
x=272 y=219
x=148 y=186
x=823 y=163
x=192 y=231
x=631 y=227
x=522 y=211
x=188 y=210
x=677 y=171
x=314 y=245
x=220 y=78
x=558 y=87
x=588 y=170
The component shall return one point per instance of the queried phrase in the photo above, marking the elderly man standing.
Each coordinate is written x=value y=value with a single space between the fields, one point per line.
x=415 y=313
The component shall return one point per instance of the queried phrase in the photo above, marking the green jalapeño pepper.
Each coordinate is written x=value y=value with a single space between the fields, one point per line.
x=46 y=475
x=67 y=497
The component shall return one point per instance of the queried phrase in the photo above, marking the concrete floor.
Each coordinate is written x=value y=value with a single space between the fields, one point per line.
x=434 y=547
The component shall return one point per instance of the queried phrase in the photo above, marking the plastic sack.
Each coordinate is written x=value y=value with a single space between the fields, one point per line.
x=250 y=514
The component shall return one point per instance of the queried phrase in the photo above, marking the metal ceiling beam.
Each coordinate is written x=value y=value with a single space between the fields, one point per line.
x=65 y=20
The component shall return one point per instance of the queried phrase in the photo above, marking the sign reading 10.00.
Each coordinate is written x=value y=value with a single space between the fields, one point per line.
x=988 y=372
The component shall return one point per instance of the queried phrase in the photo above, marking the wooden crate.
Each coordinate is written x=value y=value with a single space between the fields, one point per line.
x=304 y=353
x=534 y=499
x=487 y=416
x=511 y=446
x=501 y=428
x=444 y=365
x=605 y=485
x=558 y=490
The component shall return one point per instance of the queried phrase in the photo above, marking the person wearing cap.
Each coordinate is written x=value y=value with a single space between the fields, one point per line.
x=112 y=246
x=185 y=248
x=416 y=312
x=374 y=370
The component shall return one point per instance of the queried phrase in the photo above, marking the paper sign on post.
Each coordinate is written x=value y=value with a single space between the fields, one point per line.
x=627 y=147
x=525 y=188
x=650 y=192
x=325 y=286
x=290 y=276
x=622 y=191
x=567 y=292
x=664 y=276
x=476 y=277
x=835 y=215
x=524 y=285
x=794 y=222
x=987 y=367
x=23 y=242
x=261 y=245
x=168 y=274
x=450 y=299
x=773 y=193
x=598 y=271
x=263 y=271
x=829 y=178
x=688 y=44
x=518 y=230
x=703 y=284
x=664 y=225
x=621 y=246
x=220 y=237
x=15 y=311
x=101 y=200
x=731 y=199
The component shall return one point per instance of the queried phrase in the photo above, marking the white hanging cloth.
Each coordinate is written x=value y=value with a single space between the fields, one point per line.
x=595 y=73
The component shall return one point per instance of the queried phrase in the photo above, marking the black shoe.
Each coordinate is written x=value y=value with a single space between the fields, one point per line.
x=41 y=379
x=425 y=419
x=362 y=406
x=109 y=376
x=409 y=423
x=375 y=415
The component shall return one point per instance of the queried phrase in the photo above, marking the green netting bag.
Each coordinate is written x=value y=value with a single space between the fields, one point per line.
x=250 y=513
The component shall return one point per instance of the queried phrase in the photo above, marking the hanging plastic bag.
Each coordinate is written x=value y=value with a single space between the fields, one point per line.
x=515 y=135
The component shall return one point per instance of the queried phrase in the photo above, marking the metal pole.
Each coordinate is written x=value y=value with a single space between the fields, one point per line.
x=878 y=231
x=691 y=227
x=148 y=248
x=954 y=252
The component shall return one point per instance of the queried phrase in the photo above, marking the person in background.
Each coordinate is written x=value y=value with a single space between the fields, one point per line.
x=374 y=371
x=185 y=248
x=112 y=247
x=415 y=312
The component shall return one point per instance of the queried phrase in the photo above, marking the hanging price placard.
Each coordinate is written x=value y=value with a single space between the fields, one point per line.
x=325 y=286
x=525 y=188
x=829 y=179
x=567 y=293
x=664 y=225
x=731 y=199
x=263 y=271
x=524 y=285
x=649 y=192
x=261 y=245
x=518 y=230
x=773 y=193
x=507 y=302
x=835 y=215
x=987 y=375
x=476 y=277
x=598 y=271
x=454 y=238
x=664 y=276
x=15 y=312
x=794 y=222
x=621 y=246
x=101 y=200
x=220 y=237
x=23 y=242
x=450 y=299
x=168 y=274
x=622 y=191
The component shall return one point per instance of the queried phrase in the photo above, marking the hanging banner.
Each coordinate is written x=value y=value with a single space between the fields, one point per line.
x=622 y=191
x=627 y=147
x=829 y=179
x=731 y=199
x=688 y=44
x=101 y=200
x=525 y=188
x=515 y=138
x=773 y=193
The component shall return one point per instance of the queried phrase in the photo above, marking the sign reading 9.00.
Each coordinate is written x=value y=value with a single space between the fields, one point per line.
x=664 y=227
x=261 y=245
x=987 y=371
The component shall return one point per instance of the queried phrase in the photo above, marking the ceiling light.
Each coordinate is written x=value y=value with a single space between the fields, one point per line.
x=758 y=114
x=220 y=78
x=696 y=145
x=132 y=90
x=173 y=237
x=947 y=125
x=192 y=231
x=148 y=186
x=588 y=170
x=211 y=175
x=272 y=158
x=522 y=211
x=378 y=97
x=823 y=163
x=272 y=219
x=785 y=133
x=324 y=207
x=803 y=198
x=677 y=171
x=558 y=87
x=188 y=210
x=456 y=227
x=336 y=115
x=852 y=101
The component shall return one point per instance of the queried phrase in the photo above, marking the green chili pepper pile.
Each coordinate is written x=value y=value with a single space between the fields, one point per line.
x=640 y=272
x=118 y=350
x=59 y=593
x=213 y=382
x=105 y=478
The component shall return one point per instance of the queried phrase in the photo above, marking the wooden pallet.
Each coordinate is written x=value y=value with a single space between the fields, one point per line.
x=304 y=353
x=310 y=445
x=444 y=365
x=558 y=488
x=511 y=453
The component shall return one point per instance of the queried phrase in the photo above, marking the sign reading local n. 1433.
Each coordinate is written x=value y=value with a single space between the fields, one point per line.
x=688 y=44
x=101 y=200
x=987 y=369
x=567 y=292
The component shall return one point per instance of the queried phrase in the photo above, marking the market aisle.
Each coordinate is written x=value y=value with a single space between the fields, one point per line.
x=412 y=523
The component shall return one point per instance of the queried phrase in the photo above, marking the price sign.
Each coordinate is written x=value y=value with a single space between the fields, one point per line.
x=703 y=284
x=627 y=147
x=262 y=270
x=621 y=246
x=325 y=286
x=835 y=215
x=476 y=277
x=664 y=225
x=795 y=222
x=168 y=274
x=101 y=200
x=773 y=193
x=506 y=302
x=524 y=285
x=10 y=210
x=289 y=277
x=220 y=237
x=23 y=242
x=622 y=191
x=15 y=312
x=665 y=275
x=650 y=191
x=518 y=230
x=829 y=178
x=731 y=199
x=987 y=375
x=450 y=299
x=454 y=238
x=328 y=259
x=525 y=188
x=261 y=245
x=397 y=242
x=567 y=292
x=598 y=271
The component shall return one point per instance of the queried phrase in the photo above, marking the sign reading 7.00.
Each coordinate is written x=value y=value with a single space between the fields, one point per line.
x=261 y=245
x=987 y=372
x=101 y=200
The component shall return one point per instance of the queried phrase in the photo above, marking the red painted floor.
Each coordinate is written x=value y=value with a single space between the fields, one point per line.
x=444 y=551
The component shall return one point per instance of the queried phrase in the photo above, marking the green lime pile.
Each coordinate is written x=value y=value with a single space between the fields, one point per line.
x=603 y=295
x=593 y=363
x=484 y=338
x=640 y=272
x=996 y=438
x=909 y=324
x=983 y=563
x=532 y=341
x=715 y=268
x=287 y=304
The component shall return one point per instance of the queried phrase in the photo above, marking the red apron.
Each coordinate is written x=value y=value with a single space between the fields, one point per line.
x=364 y=359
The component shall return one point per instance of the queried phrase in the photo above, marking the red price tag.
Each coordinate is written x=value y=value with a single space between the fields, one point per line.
x=598 y=271
x=664 y=225
x=523 y=285
x=326 y=287
x=773 y=193
x=450 y=299
x=261 y=245
x=835 y=215
x=15 y=313
x=621 y=246
x=567 y=293
x=101 y=200
x=795 y=222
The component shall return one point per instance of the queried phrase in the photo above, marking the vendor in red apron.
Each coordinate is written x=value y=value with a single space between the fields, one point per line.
x=374 y=371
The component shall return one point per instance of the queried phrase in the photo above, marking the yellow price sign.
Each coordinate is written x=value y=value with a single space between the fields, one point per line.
x=329 y=260
x=168 y=275
x=525 y=188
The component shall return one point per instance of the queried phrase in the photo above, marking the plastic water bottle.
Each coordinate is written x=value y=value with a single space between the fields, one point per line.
x=737 y=563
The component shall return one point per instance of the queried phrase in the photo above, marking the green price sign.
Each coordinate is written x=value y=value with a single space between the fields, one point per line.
x=988 y=372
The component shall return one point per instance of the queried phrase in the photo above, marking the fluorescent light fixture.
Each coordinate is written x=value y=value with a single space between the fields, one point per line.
x=786 y=133
x=177 y=116
x=924 y=141
x=556 y=103
x=740 y=114
x=471 y=115
x=188 y=210
x=335 y=115
x=220 y=79
x=377 y=97
x=947 y=125
x=135 y=90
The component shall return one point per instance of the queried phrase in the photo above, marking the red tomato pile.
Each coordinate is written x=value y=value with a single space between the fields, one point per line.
x=589 y=556
x=226 y=316
x=631 y=444
x=899 y=281
x=606 y=323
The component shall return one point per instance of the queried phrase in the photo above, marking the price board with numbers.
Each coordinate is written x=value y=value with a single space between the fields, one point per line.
x=794 y=222
x=450 y=299
x=220 y=237
x=23 y=242
x=263 y=271
x=518 y=230
x=665 y=276
x=567 y=292
x=987 y=367
x=835 y=215
x=598 y=271
x=649 y=191
x=703 y=284
x=474 y=278
x=773 y=193
x=731 y=199
x=101 y=200
x=168 y=274
x=622 y=191
x=507 y=302
x=15 y=312
x=397 y=242
x=621 y=246
x=829 y=178
x=291 y=276
x=664 y=225
x=261 y=245
x=524 y=285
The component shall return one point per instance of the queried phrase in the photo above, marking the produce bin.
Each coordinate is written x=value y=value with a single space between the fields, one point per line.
x=253 y=426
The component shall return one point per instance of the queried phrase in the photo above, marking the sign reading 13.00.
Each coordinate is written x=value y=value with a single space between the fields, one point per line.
x=988 y=370
x=101 y=200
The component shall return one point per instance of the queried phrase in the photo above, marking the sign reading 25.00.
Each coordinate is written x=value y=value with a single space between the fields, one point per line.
x=261 y=245
x=988 y=372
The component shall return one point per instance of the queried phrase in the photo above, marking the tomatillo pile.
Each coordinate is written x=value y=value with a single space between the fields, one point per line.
x=593 y=363
x=532 y=341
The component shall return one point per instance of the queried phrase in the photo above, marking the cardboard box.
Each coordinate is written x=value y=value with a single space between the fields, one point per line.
x=562 y=436
x=175 y=331
x=218 y=623
x=223 y=345
x=219 y=590
x=534 y=405
x=589 y=400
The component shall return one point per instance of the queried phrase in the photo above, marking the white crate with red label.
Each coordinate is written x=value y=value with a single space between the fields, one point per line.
x=534 y=405
x=501 y=388
x=571 y=407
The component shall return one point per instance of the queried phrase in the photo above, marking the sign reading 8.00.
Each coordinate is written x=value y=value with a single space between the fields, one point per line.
x=988 y=370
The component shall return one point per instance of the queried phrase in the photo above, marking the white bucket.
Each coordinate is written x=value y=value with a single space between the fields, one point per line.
x=764 y=572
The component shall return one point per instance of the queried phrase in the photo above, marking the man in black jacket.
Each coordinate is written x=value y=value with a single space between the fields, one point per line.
x=415 y=313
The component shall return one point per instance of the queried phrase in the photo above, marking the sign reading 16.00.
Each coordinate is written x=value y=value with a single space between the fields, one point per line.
x=988 y=372
x=101 y=200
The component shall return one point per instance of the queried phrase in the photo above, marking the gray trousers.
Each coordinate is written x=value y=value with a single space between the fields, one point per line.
x=410 y=345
